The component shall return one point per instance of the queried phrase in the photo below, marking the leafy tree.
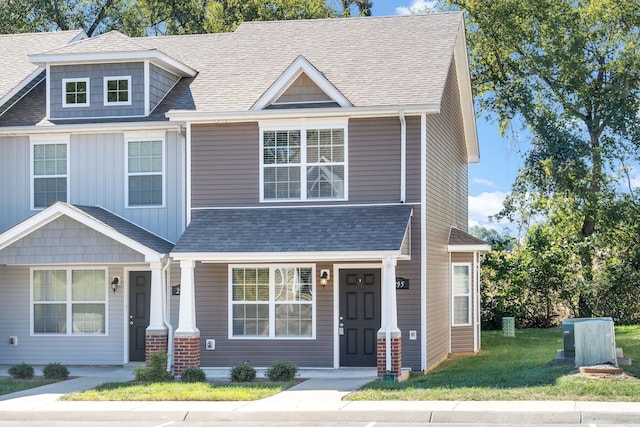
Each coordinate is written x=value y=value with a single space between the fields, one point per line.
x=570 y=70
x=364 y=7
x=493 y=237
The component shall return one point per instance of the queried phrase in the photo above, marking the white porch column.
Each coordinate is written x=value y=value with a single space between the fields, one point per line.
x=187 y=318
x=156 y=323
x=389 y=336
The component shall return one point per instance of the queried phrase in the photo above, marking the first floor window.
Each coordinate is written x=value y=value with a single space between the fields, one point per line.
x=50 y=162
x=145 y=168
x=68 y=301
x=304 y=163
x=272 y=302
x=461 y=294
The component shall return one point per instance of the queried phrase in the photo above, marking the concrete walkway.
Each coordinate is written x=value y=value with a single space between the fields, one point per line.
x=317 y=399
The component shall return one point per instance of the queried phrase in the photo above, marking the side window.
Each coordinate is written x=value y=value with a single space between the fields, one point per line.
x=117 y=90
x=75 y=92
x=461 y=292
x=145 y=173
x=50 y=169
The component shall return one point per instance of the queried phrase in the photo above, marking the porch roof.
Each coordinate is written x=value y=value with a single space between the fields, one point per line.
x=346 y=230
x=459 y=241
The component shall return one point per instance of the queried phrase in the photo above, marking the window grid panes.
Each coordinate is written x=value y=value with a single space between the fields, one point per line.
x=50 y=174
x=272 y=302
x=117 y=91
x=64 y=294
x=145 y=169
x=76 y=93
x=302 y=164
x=461 y=294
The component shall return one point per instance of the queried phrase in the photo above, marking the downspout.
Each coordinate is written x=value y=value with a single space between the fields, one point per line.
x=165 y=314
x=423 y=240
x=403 y=157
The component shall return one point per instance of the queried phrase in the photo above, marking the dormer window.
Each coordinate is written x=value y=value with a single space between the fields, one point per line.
x=117 y=90
x=75 y=92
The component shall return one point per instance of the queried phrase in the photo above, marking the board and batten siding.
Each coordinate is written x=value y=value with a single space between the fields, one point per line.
x=42 y=349
x=446 y=206
x=15 y=191
x=212 y=302
x=225 y=165
x=96 y=73
x=462 y=336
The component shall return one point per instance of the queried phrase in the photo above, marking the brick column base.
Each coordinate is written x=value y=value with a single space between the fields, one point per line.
x=396 y=354
x=186 y=353
x=155 y=341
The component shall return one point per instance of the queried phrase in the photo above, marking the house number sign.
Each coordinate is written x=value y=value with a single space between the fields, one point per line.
x=402 y=283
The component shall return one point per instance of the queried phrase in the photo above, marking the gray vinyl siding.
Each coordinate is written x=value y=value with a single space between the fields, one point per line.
x=160 y=82
x=15 y=190
x=303 y=90
x=96 y=73
x=69 y=350
x=96 y=174
x=446 y=205
x=226 y=171
x=65 y=241
x=212 y=301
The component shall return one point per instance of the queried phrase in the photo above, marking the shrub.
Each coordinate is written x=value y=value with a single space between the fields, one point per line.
x=282 y=371
x=21 y=371
x=55 y=371
x=156 y=371
x=193 y=375
x=243 y=373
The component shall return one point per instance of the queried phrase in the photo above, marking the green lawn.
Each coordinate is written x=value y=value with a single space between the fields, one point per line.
x=180 y=391
x=519 y=368
x=10 y=385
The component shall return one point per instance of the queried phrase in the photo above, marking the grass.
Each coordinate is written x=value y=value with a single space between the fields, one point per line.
x=10 y=385
x=132 y=391
x=519 y=368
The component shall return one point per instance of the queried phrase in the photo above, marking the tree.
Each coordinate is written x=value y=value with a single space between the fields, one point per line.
x=570 y=70
x=493 y=236
x=364 y=7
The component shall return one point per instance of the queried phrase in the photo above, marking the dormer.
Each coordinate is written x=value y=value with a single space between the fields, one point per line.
x=301 y=85
x=109 y=76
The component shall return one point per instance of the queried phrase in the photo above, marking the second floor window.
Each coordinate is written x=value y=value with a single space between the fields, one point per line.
x=50 y=162
x=75 y=92
x=304 y=163
x=117 y=90
x=145 y=180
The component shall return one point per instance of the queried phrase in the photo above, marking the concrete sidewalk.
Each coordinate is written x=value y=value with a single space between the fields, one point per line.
x=317 y=399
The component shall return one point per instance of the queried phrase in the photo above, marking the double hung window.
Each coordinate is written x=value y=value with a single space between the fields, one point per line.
x=304 y=163
x=461 y=279
x=69 y=301
x=145 y=172
x=49 y=166
x=272 y=302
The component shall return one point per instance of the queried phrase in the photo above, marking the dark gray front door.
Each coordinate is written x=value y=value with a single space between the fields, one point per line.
x=359 y=316
x=139 y=304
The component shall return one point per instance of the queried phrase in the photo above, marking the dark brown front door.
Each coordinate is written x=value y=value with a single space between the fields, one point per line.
x=139 y=304
x=359 y=316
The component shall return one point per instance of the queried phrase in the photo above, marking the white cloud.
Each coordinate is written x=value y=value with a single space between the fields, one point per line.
x=417 y=6
x=484 y=205
x=482 y=181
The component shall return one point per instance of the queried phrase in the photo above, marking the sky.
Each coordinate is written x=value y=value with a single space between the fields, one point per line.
x=500 y=157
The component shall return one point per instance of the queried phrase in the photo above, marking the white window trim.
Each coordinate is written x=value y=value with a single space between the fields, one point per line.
x=68 y=302
x=272 y=314
x=145 y=136
x=454 y=295
x=303 y=125
x=44 y=140
x=105 y=98
x=64 y=92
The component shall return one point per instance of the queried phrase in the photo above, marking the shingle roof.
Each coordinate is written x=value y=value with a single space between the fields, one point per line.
x=128 y=229
x=15 y=66
x=460 y=238
x=308 y=229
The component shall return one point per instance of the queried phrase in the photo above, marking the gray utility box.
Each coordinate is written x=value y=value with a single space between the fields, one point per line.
x=568 y=333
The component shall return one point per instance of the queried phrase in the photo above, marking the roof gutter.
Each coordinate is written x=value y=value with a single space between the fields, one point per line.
x=245 y=116
x=88 y=128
